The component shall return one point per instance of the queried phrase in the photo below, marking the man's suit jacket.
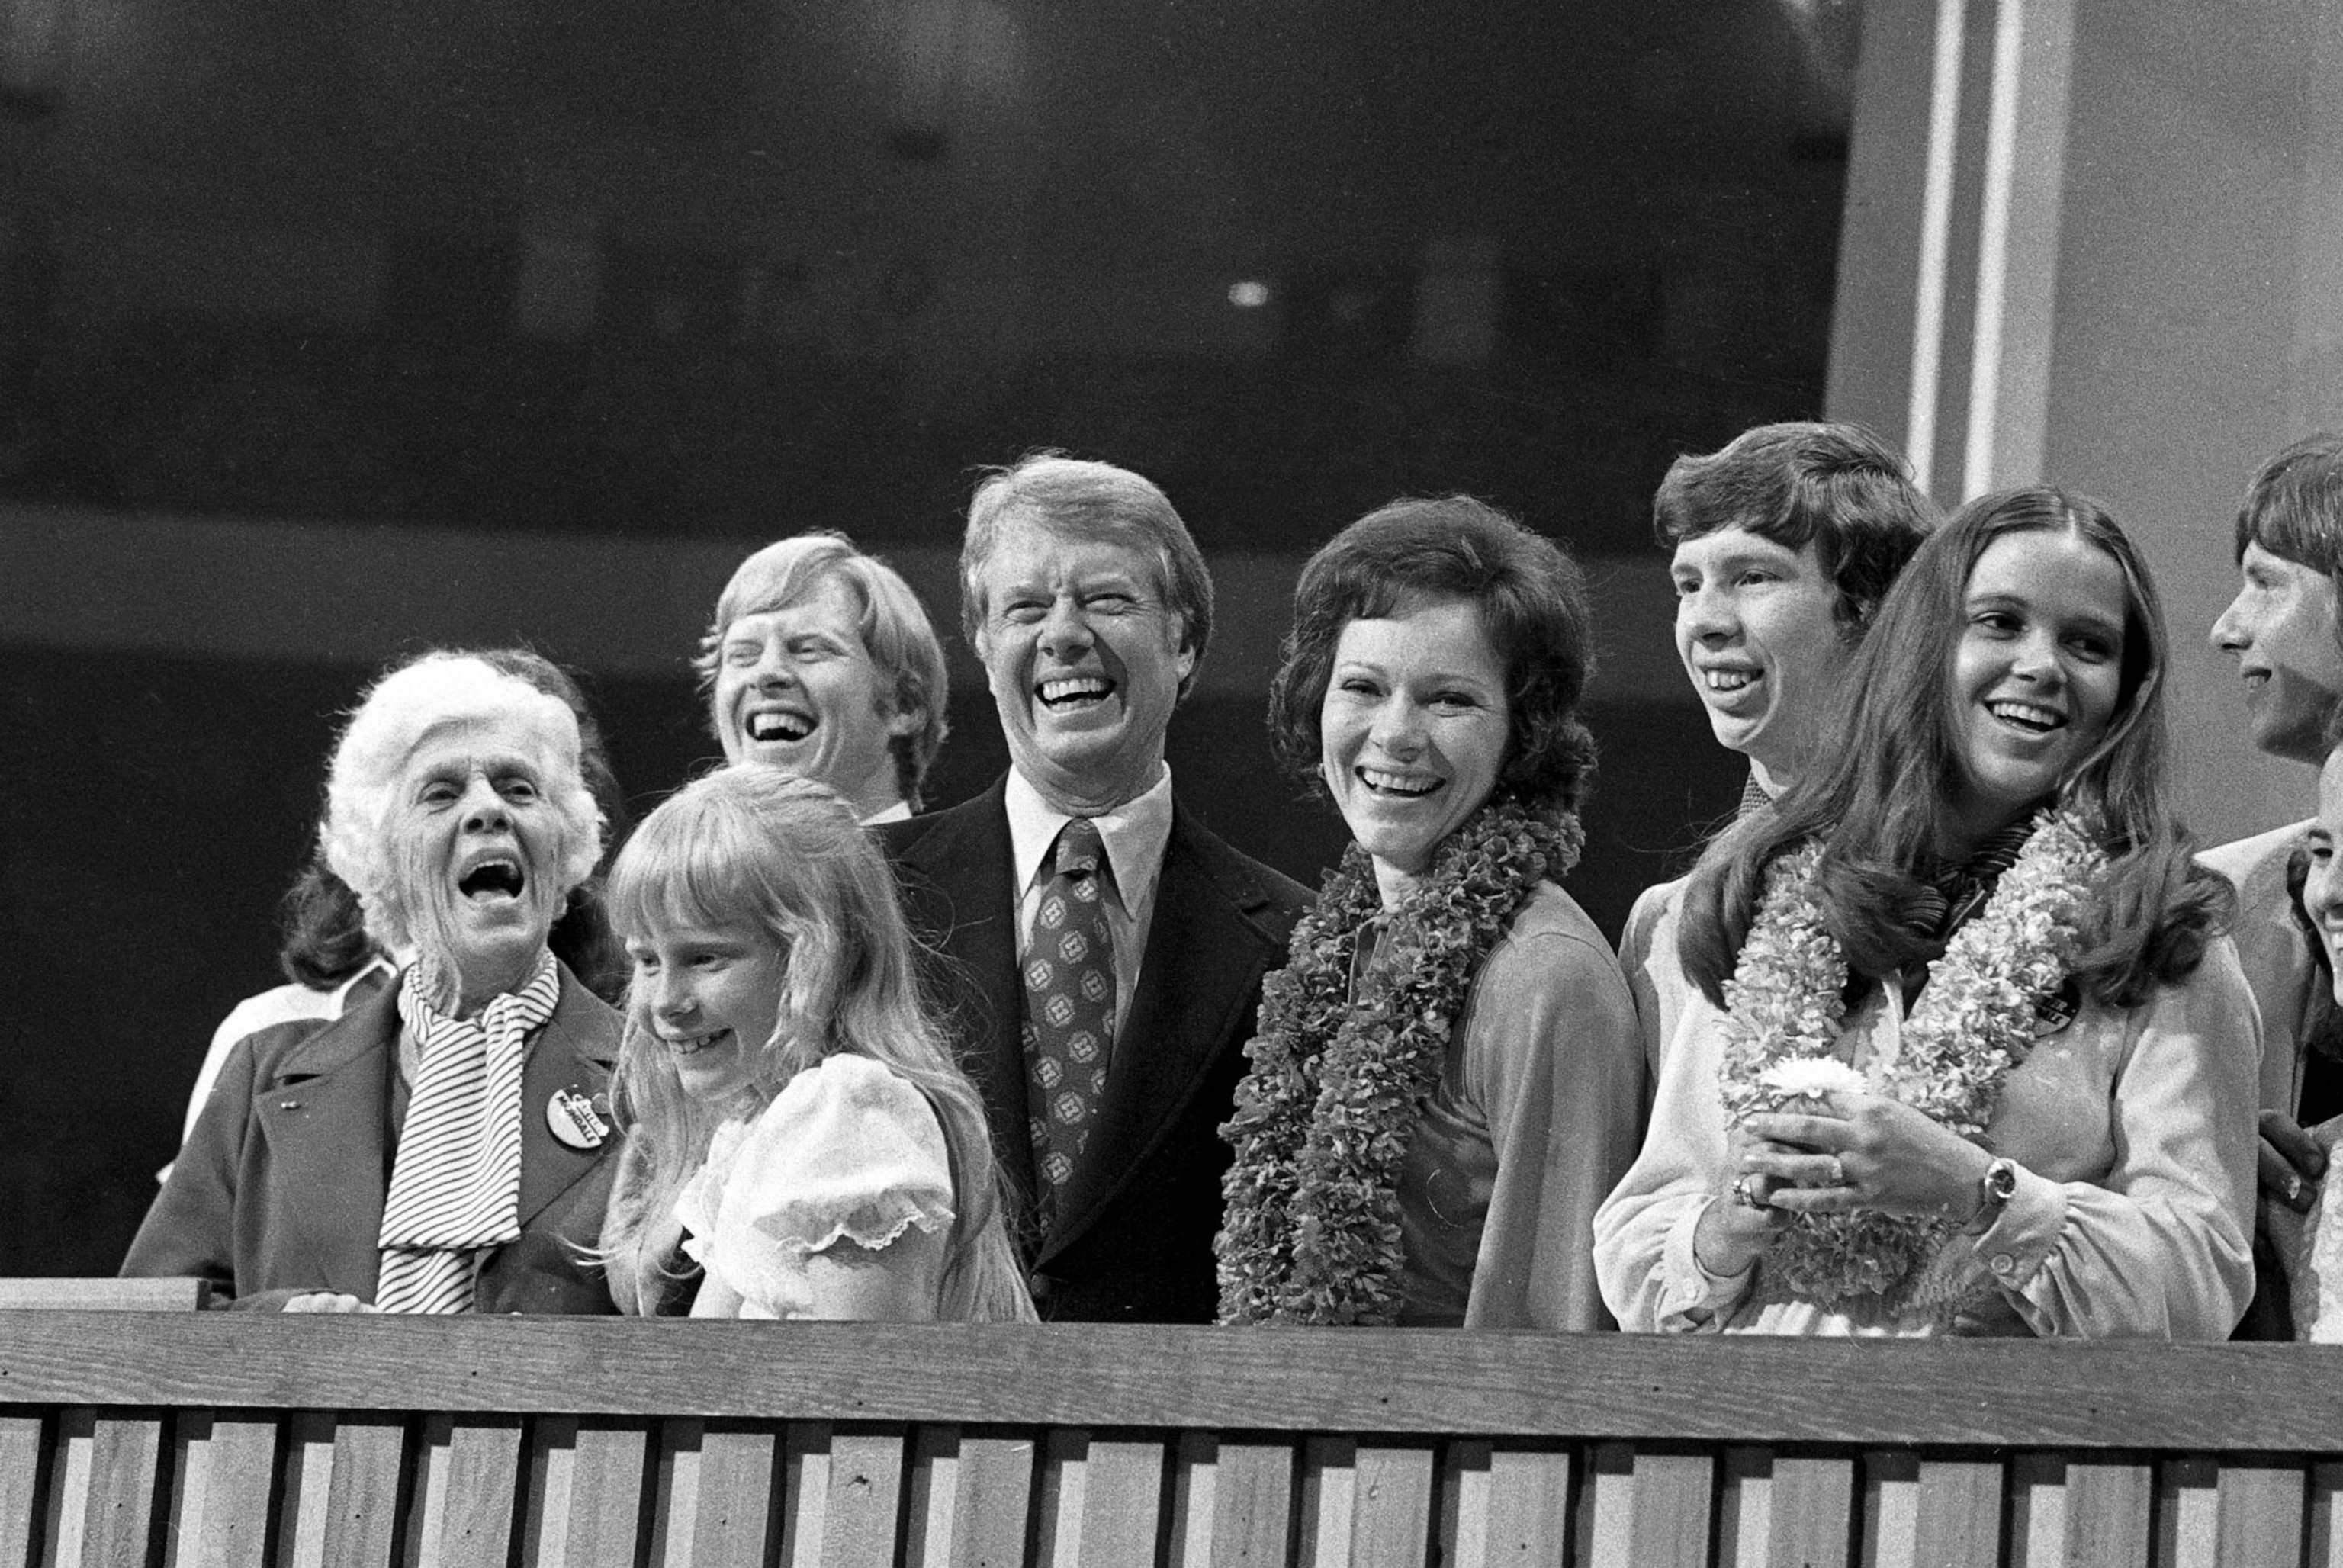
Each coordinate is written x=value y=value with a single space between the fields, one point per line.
x=281 y=1188
x=1133 y=1238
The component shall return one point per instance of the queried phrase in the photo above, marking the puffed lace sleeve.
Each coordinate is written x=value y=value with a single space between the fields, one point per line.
x=848 y=1153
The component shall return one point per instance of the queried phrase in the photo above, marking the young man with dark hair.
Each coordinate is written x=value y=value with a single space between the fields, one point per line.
x=1784 y=543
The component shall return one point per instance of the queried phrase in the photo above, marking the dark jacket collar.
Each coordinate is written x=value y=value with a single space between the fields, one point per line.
x=341 y=1075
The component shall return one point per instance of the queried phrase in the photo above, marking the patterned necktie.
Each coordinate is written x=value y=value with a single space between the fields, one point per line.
x=1068 y=1008
x=454 y=1183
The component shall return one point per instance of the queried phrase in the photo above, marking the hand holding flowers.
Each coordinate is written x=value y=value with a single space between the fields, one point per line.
x=1854 y=1150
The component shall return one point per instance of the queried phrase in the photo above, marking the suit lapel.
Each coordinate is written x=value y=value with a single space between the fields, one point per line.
x=964 y=896
x=324 y=1116
x=577 y=1051
x=1203 y=956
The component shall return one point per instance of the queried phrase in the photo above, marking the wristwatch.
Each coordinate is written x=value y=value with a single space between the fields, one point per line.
x=1994 y=1190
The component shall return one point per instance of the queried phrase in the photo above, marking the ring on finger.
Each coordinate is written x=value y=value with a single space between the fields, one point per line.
x=1837 y=1172
x=1744 y=1195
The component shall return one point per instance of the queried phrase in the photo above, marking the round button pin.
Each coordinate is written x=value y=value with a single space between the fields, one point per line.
x=573 y=1120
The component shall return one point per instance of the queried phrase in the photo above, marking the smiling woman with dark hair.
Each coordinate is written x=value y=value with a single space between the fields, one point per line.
x=1447 y=1075
x=437 y=1148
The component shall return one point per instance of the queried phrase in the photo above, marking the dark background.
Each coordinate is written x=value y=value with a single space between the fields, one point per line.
x=721 y=271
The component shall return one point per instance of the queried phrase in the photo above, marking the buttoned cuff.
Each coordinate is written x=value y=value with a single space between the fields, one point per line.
x=2013 y=1249
x=1692 y=1299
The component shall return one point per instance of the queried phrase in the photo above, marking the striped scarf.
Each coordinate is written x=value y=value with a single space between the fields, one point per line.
x=454 y=1183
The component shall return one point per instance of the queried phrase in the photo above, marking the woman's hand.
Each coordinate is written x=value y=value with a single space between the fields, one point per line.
x=329 y=1301
x=1865 y=1152
x=1734 y=1229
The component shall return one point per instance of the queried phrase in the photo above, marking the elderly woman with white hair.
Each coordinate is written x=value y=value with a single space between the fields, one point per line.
x=444 y=1146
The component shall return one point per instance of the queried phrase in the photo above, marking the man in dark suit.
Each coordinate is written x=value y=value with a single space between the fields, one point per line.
x=1103 y=951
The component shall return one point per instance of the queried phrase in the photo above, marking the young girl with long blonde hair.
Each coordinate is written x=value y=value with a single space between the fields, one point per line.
x=800 y=1143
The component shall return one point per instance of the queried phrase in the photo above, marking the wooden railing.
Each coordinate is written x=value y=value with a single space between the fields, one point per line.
x=225 y=1439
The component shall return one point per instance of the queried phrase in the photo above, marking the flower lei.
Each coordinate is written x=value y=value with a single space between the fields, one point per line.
x=1974 y=1022
x=1324 y=1117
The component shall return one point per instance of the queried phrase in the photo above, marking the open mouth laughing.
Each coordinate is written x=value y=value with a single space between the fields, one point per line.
x=493 y=879
x=1063 y=694
x=783 y=724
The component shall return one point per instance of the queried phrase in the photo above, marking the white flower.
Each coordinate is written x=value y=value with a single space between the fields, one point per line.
x=1812 y=1077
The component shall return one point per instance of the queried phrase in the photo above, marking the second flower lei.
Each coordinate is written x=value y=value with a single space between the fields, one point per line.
x=1324 y=1117
x=1974 y=1022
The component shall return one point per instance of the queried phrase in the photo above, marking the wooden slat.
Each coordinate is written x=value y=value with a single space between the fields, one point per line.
x=675 y=1491
x=587 y=1482
x=1058 y=1497
x=1194 y=1483
x=122 y=1502
x=992 y=1499
x=2037 y=1511
x=463 y=1510
x=930 y=1490
x=1890 y=1508
x=803 y=1491
x=362 y=1498
x=1959 y=1519
x=1744 y=1506
x=2109 y=1503
x=1650 y=1508
x=305 y=1502
x=1712 y=1389
x=1530 y=1494
x=24 y=1450
x=224 y=1468
x=2262 y=1512
x=1122 y=1500
x=67 y=1509
x=1326 y=1502
x=866 y=1495
x=2188 y=1512
x=104 y=1294
x=2323 y=1541
x=1247 y=1518
x=1392 y=1503
x=1811 y=1513
x=1504 y=1504
x=721 y=1505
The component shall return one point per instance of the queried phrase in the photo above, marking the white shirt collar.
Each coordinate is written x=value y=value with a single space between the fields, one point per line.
x=1134 y=834
x=900 y=811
